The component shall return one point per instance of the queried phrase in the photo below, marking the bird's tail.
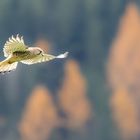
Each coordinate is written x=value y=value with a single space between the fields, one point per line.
x=6 y=67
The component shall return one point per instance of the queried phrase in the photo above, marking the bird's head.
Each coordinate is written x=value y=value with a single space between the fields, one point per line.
x=39 y=51
x=36 y=50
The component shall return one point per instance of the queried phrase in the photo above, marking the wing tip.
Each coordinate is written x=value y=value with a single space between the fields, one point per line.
x=64 y=55
x=11 y=42
x=15 y=38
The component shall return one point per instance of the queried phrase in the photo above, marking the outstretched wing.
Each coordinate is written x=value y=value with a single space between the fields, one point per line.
x=14 y=44
x=43 y=58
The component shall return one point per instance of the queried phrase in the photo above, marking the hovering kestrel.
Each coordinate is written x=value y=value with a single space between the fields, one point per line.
x=16 y=51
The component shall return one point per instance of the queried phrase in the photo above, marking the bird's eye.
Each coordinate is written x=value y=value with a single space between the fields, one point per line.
x=40 y=51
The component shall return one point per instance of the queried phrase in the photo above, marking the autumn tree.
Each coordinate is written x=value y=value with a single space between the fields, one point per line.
x=39 y=117
x=124 y=74
x=73 y=98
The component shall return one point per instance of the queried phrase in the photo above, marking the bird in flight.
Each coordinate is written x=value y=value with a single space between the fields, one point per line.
x=16 y=51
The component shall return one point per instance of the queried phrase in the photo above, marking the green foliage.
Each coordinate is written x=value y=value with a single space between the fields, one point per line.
x=83 y=27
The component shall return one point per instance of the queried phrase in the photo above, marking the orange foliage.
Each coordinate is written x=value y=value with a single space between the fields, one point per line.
x=43 y=44
x=72 y=96
x=125 y=113
x=40 y=116
x=125 y=52
x=124 y=71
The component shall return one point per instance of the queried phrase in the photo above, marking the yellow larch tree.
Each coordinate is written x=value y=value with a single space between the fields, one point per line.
x=39 y=117
x=73 y=96
x=125 y=113
x=123 y=74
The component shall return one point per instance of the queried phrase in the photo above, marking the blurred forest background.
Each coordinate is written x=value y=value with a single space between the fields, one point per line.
x=94 y=94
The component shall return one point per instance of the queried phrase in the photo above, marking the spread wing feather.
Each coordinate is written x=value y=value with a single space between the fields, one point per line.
x=39 y=59
x=14 y=44
x=44 y=58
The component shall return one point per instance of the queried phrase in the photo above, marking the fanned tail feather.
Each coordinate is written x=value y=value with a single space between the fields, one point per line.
x=5 y=67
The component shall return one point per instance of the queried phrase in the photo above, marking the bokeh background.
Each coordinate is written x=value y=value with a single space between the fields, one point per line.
x=93 y=94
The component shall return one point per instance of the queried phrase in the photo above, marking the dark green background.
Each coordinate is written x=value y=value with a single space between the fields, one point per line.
x=86 y=29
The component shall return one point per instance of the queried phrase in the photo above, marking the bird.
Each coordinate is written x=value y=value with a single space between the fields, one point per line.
x=16 y=51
